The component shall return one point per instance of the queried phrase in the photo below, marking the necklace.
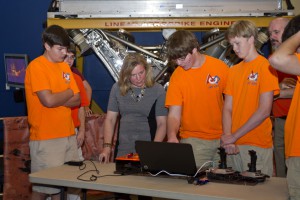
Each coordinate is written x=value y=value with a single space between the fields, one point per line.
x=138 y=97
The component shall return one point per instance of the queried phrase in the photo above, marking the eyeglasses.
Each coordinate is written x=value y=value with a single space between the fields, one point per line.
x=70 y=57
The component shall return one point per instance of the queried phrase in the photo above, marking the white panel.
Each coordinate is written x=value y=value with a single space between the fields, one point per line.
x=168 y=8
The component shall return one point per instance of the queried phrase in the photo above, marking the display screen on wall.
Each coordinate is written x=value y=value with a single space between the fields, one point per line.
x=15 y=68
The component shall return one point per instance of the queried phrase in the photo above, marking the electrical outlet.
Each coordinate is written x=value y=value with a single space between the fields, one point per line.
x=7 y=87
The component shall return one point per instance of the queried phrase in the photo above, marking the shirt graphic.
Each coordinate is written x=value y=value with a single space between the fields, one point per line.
x=66 y=76
x=212 y=80
x=253 y=76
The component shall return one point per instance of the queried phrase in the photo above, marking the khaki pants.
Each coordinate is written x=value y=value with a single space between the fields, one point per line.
x=204 y=151
x=278 y=142
x=264 y=162
x=293 y=177
x=51 y=153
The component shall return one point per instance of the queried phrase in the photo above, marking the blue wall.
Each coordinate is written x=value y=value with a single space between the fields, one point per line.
x=21 y=28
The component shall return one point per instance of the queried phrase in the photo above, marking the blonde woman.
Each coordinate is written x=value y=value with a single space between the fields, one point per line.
x=134 y=97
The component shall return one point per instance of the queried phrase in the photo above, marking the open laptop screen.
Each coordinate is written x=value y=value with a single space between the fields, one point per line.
x=174 y=158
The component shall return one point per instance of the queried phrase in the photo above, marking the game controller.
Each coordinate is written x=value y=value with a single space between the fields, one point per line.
x=224 y=174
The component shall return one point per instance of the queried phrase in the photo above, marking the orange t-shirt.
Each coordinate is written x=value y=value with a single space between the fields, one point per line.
x=48 y=123
x=200 y=93
x=83 y=98
x=246 y=82
x=292 y=124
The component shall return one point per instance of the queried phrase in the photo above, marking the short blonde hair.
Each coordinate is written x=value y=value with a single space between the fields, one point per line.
x=242 y=28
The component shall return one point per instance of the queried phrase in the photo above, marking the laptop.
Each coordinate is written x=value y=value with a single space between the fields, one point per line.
x=174 y=158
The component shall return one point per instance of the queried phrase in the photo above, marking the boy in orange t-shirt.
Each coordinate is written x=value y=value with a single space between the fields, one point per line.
x=285 y=60
x=195 y=97
x=78 y=112
x=51 y=91
x=248 y=101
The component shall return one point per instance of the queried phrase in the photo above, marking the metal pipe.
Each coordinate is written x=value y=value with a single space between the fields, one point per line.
x=216 y=40
x=132 y=45
x=161 y=73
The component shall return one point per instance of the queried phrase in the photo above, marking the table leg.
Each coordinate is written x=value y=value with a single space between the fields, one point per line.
x=62 y=193
x=84 y=194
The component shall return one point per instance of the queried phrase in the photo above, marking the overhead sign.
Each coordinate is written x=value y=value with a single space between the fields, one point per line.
x=154 y=24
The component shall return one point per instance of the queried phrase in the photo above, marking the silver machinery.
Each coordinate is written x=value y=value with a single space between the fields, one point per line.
x=111 y=49
x=112 y=46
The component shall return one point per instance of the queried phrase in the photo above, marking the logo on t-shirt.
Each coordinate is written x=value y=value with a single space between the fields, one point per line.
x=66 y=76
x=253 y=77
x=212 y=80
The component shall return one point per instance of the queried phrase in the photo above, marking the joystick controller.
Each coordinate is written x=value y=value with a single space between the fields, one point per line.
x=223 y=163
x=224 y=174
x=252 y=172
x=253 y=159
x=222 y=169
